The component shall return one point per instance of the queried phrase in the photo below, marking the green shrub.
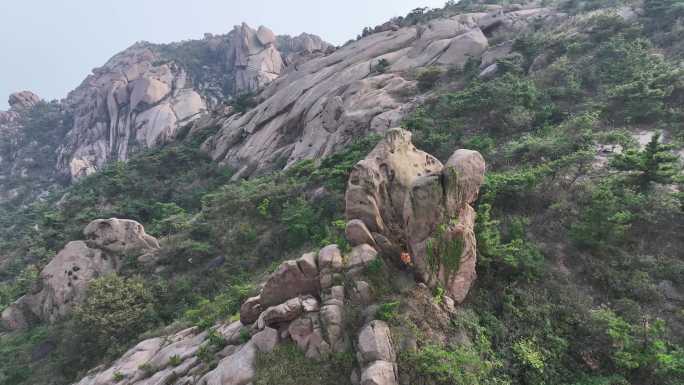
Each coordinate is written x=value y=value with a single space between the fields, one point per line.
x=207 y=312
x=428 y=78
x=388 y=311
x=168 y=219
x=514 y=259
x=10 y=291
x=461 y=365
x=244 y=102
x=16 y=361
x=530 y=357
x=175 y=360
x=604 y=219
x=640 y=351
x=117 y=377
x=438 y=126
x=116 y=310
x=147 y=369
x=441 y=252
x=301 y=221
x=382 y=66
x=245 y=335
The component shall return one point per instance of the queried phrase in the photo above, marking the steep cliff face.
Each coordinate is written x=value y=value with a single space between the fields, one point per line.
x=131 y=102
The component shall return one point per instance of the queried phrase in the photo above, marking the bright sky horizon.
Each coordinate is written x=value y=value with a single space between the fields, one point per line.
x=49 y=46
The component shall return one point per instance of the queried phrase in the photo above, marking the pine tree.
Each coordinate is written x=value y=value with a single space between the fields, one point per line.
x=654 y=164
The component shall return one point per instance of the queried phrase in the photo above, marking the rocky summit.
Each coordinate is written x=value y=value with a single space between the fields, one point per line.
x=485 y=193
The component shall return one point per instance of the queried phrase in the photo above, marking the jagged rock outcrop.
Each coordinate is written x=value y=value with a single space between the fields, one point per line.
x=411 y=203
x=121 y=236
x=289 y=296
x=156 y=354
x=318 y=106
x=64 y=281
x=397 y=189
x=398 y=194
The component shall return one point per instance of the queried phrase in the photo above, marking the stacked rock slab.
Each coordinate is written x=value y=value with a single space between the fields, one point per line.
x=63 y=282
x=305 y=300
x=409 y=202
x=375 y=353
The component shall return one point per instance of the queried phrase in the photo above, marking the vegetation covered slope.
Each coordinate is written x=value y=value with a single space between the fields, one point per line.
x=579 y=262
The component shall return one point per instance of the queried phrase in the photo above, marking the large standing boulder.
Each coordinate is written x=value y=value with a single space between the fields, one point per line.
x=379 y=184
x=414 y=204
x=376 y=355
x=119 y=236
x=63 y=282
x=23 y=100
x=375 y=343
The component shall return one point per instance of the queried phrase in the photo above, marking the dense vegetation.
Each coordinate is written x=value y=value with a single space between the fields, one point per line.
x=579 y=256
x=575 y=254
x=27 y=156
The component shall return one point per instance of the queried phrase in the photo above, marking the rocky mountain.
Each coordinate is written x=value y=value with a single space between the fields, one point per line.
x=486 y=193
x=144 y=95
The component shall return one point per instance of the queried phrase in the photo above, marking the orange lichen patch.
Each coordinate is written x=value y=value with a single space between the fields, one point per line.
x=406 y=259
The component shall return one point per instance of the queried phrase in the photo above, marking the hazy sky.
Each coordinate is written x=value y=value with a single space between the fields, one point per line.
x=49 y=46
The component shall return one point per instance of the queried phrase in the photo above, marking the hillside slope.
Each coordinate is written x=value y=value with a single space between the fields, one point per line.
x=302 y=240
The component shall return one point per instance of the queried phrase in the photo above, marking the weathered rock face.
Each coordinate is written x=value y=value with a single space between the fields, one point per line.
x=64 y=281
x=156 y=353
x=316 y=107
x=412 y=203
